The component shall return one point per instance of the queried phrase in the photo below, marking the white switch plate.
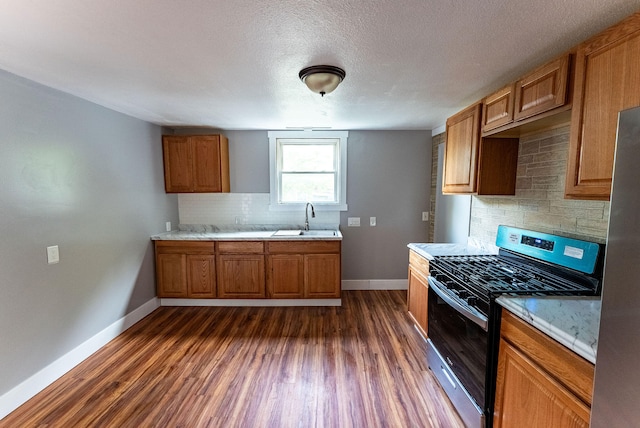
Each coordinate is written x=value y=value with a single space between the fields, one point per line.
x=353 y=221
x=372 y=221
x=425 y=215
x=167 y=225
x=53 y=255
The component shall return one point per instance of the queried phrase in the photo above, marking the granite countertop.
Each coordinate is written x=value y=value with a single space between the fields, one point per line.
x=245 y=232
x=572 y=321
x=428 y=251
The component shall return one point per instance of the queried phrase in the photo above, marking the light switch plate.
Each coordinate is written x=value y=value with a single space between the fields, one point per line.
x=425 y=215
x=53 y=254
x=353 y=221
x=372 y=221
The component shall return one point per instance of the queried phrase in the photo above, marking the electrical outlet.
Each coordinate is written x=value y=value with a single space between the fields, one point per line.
x=372 y=221
x=53 y=255
x=353 y=221
x=425 y=215
x=167 y=226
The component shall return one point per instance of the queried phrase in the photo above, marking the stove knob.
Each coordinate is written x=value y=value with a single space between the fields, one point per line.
x=463 y=294
x=472 y=300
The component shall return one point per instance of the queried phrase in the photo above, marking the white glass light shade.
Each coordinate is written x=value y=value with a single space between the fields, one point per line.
x=322 y=79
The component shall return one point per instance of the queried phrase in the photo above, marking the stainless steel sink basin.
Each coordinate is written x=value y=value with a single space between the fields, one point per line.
x=322 y=233
x=319 y=233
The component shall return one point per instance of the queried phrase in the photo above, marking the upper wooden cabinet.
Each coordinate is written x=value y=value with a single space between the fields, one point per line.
x=474 y=165
x=607 y=80
x=497 y=109
x=461 y=151
x=196 y=163
x=543 y=89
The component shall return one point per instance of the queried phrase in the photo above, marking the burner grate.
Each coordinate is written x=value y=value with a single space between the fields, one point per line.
x=498 y=274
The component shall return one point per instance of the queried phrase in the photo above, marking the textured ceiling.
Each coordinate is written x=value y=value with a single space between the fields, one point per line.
x=234 y=64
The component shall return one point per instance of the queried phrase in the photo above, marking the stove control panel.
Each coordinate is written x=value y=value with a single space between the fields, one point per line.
x=568 y=252
x=545 y=244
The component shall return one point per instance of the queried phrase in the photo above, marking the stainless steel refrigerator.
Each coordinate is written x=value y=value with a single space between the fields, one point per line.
x=616 y=394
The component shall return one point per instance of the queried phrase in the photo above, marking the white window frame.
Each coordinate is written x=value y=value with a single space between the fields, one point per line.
x=341 y=172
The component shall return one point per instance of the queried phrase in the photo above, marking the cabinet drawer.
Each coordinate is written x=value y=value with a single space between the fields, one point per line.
x=185 y=247
x=240 y=247
x=303 y=247
x=418 y=263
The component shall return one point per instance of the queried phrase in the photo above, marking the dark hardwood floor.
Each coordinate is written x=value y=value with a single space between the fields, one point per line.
x=359 y=365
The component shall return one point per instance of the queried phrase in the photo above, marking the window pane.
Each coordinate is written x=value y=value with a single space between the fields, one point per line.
x=308 y=187
x=307 y=157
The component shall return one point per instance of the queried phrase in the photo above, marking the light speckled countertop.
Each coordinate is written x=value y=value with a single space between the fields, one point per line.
x=240 y=233
x=572 y=321
x=429 y=250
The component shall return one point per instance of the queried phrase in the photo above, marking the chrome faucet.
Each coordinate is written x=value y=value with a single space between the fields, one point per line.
x=306 y=215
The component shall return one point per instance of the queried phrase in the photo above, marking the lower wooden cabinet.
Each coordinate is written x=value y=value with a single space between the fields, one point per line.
x=241 y=270
x=310 y=269
x=418 y=292
x=540 y=383
x=322 y=275
x=185 y=269
x=248 y=269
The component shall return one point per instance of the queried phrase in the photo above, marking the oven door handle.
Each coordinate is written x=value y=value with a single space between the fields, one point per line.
x=468 y=312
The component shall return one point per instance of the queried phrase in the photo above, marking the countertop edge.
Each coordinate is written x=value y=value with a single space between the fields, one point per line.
x=228 y=236
x=584 y=345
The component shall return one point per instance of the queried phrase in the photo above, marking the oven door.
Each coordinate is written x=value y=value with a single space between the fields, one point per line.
x=461 y=340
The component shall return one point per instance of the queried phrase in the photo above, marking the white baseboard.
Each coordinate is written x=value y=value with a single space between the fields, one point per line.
x=18 y=395
x=374 y=284
x=251 y=302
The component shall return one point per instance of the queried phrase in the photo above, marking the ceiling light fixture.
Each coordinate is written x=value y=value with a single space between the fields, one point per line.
x=322 y=79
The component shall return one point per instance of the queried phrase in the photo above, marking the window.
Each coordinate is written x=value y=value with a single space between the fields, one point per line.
x=308 y=166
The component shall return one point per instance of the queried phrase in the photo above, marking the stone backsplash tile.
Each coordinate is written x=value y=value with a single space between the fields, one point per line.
x=539 y=202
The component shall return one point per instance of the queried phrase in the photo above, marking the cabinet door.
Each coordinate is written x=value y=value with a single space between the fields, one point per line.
x=461 y=150
x=178 y=160
x=322 y=275
x=206 y=163
x=241 y=276
x=607 y=81
x=201 y=276
x=527 y=396
x=286 y=276
x=543 y=89
x=497 y=109
x=171 y=275
x=417 y=300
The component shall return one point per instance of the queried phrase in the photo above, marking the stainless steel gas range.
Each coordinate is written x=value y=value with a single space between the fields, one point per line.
x=464 y=320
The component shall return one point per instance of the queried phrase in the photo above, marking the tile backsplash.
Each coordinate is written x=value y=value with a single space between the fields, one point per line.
x=244 y=209
x=539 y=202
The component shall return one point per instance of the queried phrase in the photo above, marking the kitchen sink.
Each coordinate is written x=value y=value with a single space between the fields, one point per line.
x=319 y=233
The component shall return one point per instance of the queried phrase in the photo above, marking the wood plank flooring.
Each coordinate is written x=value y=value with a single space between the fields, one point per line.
x=359 y=365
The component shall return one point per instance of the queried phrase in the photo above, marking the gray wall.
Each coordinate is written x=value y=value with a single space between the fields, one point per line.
x=388 y=177
x=89 y=180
